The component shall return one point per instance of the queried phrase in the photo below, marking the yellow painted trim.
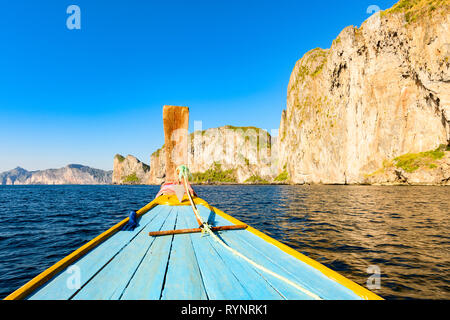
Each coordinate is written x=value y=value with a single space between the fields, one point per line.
x=171 y=200
x=48 y=274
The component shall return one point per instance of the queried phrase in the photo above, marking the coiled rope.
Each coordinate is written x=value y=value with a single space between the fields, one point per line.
x=183 y=175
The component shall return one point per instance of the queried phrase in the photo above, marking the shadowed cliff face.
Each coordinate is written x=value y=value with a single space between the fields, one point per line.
x=224 y=155
x=380 y=91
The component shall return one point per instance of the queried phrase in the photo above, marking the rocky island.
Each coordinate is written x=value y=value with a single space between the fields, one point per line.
x=225 y=155
x=130 y=170
x=372 y=109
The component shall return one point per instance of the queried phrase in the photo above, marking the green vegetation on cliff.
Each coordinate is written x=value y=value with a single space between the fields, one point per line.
x=410 y=162
x=415 y=9
x=119 y=157
x=215 y=174
x=243 y=128
x=317 y=57
x=157 y=152
x=255 y=179
x=282 y=177
x=132 y=178
x=321 y=56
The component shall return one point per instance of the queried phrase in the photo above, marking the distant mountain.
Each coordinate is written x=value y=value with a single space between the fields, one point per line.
x=71 y=174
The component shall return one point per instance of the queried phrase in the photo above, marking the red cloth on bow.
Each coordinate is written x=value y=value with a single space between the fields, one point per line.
x=167 y=189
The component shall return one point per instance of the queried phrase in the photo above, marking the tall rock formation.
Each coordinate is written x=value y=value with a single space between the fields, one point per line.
x=129 y=170
x=381 y=91
x=224 y=155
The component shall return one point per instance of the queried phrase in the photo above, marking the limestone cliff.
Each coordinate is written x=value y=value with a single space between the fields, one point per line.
x=224 y=155
x=71 y=174
x=129 y=170
x=382 y=91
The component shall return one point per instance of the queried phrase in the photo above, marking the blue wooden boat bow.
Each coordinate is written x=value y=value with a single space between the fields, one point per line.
x=130 y=264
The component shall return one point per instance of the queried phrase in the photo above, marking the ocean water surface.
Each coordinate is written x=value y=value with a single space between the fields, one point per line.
x=402 y=231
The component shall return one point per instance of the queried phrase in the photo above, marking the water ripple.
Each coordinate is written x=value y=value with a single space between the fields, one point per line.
x=402 y=230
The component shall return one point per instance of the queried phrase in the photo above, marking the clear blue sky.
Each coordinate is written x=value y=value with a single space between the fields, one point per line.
x=81 y=96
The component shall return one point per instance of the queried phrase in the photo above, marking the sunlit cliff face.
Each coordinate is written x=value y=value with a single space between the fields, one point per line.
x=380 y=91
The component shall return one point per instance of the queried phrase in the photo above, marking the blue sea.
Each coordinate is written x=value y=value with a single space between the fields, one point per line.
x=402 y=231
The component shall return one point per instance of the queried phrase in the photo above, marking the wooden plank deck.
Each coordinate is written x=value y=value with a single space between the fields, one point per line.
x=134 y=265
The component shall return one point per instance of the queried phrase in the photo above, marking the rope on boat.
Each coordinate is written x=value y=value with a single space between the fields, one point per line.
x=183 y=174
